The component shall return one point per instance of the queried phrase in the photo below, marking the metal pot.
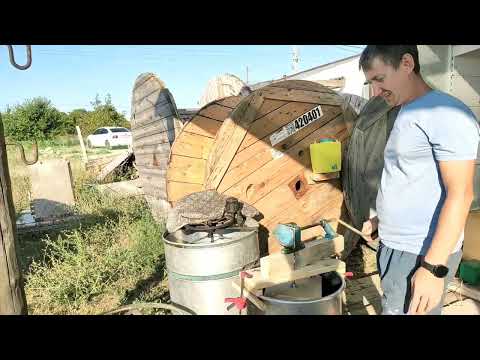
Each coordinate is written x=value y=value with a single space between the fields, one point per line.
x=317 y=295
x=201 y=272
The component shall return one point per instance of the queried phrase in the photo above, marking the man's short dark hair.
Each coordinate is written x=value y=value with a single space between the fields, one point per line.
x=390 y=54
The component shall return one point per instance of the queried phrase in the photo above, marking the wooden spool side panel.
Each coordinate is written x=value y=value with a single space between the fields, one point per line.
x=155 y=124
x=195 y=142
x=265 y=176
x=252 y=158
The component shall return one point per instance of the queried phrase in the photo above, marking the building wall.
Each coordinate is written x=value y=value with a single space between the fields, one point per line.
x=354 y=78
x=435 y=65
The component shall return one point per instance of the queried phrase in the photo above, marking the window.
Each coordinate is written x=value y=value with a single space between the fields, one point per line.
x=97 y=132
x=118 y=130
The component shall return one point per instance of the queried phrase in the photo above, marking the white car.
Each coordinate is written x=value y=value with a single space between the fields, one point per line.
x=109 y=137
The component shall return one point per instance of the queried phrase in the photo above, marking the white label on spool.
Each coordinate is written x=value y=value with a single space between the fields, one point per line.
x=296 y=125
x=276 y=154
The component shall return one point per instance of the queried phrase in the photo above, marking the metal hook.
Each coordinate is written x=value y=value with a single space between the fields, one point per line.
x=12 y=57
x=22 y=152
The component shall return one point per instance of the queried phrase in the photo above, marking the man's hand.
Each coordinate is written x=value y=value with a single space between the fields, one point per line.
x=369 y=229
x=427 y=291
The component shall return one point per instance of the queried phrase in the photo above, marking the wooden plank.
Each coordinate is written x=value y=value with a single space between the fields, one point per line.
x=269 y=173
x=82 y=145
x=152 y=160
x=149 y=117
x=273 y=121
x=177 y=190
x=155 y=99
x=193 y=145
x=257 y=281
x=153 y=140
x=229 y=138
x=152 y=174
x=201 y=125
x=12 y=294
x=264 y=145
x=314 y=251
x=216 y=112
x=153 y=149
x=152 y=121
x=146 y=87
x=322 y=86
x=268 y=106
x=231 y=101
x=113 y=165
x=186 y=169
x=312 y=97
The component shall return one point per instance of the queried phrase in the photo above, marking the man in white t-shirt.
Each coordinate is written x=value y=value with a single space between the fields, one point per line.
x=426 y=188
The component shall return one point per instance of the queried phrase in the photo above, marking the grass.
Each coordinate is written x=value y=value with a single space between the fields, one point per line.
x=112 y=258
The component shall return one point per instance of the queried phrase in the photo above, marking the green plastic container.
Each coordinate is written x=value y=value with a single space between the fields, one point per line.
x=470 y=271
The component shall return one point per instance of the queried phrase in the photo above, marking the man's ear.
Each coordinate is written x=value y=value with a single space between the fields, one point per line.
x=407 y=63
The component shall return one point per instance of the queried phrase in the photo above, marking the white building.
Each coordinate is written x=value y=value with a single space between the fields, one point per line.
x=454 y=69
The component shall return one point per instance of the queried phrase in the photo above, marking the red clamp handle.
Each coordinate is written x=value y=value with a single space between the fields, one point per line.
x=240 y=303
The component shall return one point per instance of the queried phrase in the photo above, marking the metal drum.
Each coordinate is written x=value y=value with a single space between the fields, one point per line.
x=202 y=266
x=317 y=295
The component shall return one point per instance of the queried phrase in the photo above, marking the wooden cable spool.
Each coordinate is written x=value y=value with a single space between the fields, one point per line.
x=190 y=151
x=155 y=124
x=256 y=159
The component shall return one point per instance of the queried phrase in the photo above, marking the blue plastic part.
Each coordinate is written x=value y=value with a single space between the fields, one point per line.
x=285 y=234
x=330 y=234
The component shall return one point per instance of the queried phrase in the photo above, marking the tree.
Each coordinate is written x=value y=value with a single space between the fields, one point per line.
x=34 y=119
x=103 y=114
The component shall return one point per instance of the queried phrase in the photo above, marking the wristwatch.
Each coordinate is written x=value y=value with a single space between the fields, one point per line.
x=440 y=271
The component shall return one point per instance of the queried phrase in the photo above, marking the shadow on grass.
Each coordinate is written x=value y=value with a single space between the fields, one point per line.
x=148 y=289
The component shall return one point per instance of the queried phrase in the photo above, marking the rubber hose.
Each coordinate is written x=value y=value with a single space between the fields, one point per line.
x=147 y=305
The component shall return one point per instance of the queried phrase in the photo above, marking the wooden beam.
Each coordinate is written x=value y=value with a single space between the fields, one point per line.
x=323 y=266
x=82 y=145
x=314 y=251
x=12 y=294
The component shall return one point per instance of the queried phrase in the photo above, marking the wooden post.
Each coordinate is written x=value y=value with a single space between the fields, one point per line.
x=82 y=145
x=12 y=294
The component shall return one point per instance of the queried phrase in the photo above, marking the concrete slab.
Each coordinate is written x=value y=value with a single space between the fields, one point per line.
x=52 y=189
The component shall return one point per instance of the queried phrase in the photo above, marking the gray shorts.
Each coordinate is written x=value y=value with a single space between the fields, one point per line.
x=396 y=269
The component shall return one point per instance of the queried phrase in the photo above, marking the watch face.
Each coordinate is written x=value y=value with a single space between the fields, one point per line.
x=441 y=271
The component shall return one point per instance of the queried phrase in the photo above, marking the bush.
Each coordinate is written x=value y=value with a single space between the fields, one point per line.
x=34 y=119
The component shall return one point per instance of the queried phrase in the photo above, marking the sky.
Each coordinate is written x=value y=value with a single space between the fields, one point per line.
x=70 y=76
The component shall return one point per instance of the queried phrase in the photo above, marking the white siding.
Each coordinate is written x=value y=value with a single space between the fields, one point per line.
x=354 y=78
x=435 y=65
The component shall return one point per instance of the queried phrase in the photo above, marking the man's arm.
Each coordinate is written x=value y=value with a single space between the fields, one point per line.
x=457 y=177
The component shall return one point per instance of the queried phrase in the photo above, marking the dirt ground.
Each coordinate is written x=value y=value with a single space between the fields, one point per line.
x=362 y=260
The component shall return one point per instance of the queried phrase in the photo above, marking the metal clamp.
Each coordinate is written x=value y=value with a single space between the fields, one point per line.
x=11 y=55
x=240 y=302
x=22 y=152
